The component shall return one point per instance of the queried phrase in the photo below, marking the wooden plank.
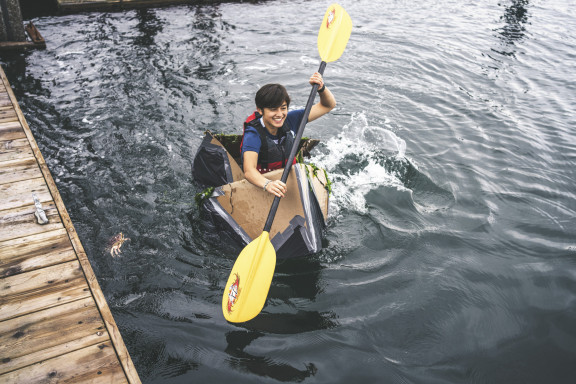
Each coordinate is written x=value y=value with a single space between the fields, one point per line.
x=43 y=288
x=7 y=114
x=35 y=35
x=11 y=130
x=96 y=364
x=33 y=252
x=44 y=279
x=17 y=45
x=8 y=364
x=49 y=333
x=4 y=100
x=17 y=149
x=19 y=193
x=19 y=170
x=21 y=222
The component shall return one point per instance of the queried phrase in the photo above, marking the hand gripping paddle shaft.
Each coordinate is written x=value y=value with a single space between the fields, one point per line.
x=247 y=287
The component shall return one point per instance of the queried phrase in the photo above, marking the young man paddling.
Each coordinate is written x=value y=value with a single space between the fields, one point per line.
x=269 y=132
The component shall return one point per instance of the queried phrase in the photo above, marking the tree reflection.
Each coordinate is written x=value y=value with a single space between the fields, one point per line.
x=515 y=18
x=149 y=25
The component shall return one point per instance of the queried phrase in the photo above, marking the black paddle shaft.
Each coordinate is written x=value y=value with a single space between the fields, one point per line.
x=297 y=139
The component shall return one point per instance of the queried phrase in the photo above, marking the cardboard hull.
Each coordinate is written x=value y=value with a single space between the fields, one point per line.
x=239 y=209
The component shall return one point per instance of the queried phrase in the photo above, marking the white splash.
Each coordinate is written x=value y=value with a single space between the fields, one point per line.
x=366 y=144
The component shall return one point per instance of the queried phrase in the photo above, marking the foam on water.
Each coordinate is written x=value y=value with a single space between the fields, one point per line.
x=368 y=147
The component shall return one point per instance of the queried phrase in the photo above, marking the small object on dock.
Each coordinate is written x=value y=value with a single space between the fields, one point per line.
x=117 y=242
x=39 y=213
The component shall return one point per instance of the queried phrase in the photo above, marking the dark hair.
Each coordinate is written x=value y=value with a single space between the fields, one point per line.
x=272 y=96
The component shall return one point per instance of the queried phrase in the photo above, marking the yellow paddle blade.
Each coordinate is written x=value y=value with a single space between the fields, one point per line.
x=247 y=287
x=334 y=33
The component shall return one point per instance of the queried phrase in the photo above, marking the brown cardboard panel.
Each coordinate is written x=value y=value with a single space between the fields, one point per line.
x=249 y=205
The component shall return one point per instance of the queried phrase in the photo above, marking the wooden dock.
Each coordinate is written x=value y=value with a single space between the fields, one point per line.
x=84 y=5
x=55 y=324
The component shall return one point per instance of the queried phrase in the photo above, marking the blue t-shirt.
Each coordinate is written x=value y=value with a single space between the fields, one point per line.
x=251 y=141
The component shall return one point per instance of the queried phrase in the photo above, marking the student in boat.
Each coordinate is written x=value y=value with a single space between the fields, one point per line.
x=269 y=132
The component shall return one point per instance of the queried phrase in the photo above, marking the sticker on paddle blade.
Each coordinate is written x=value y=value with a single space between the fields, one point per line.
x=331 y=18
x=233 y=293
x=334 y=33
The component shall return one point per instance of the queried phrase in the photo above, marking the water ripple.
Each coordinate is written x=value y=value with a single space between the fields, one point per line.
x=449 y=251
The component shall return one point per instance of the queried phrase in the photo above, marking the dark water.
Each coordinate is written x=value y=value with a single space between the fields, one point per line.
x=451 y=248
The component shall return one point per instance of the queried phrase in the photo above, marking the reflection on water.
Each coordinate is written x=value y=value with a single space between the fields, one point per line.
x=261 y=365
x=149 y=25
x=515 y=17
x=513 y=30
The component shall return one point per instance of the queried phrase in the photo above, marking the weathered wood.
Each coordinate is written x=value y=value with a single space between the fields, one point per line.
x=88 y=2
x=12 y=23
x=43 y=288
x=18 y=45
x=19 y=170
x=7 y=114
x=19 y=193
x=4 y=101
x=95 y=364
x=34 y=252
x=20 y=222
x=17 y=149
x=111 y=326
x=49 y=333
x=11 y=130
x=35 y=35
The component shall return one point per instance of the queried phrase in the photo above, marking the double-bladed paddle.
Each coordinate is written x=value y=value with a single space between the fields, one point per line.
x=247 y=287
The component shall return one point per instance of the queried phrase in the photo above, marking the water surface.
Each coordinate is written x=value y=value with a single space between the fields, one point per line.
x=451 y=246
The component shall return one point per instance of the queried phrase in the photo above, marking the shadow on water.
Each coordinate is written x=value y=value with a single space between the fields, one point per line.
x=260 y=365
x=296 y=283
x=295 y=280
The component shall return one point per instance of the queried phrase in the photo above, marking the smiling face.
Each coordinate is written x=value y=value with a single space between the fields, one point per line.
x=272 y=102
x=274 y=117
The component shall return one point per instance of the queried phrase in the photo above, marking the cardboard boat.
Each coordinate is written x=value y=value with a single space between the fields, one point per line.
x=238 y=209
